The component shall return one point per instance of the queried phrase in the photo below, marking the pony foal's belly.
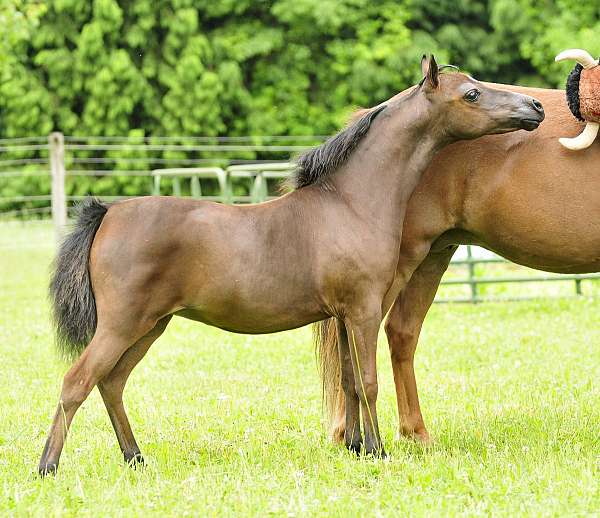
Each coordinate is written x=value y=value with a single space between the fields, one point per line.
x=246 y=321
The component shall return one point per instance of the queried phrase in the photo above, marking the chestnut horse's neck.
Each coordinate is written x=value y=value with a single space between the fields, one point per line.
x=387 y=165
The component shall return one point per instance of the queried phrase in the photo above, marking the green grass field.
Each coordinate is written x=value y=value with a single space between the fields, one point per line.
x=231 y=425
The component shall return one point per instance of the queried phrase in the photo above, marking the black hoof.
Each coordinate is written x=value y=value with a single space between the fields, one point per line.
x=47 y=469
x=134 y=460
x=377 y=453
x=354 y=447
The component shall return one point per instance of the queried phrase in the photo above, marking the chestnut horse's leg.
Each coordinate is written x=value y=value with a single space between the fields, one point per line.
x=402 y=328
x=352 y=435
x=112 y=386
x=96 y=361
x=362 y=337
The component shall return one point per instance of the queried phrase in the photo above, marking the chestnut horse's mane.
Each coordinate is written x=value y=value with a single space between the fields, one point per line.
x=319 y=162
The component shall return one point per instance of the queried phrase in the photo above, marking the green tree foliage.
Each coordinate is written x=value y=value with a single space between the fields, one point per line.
x=232 y=67
x=257 y=67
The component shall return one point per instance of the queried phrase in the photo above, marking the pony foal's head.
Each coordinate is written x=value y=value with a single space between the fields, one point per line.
x=464 y=108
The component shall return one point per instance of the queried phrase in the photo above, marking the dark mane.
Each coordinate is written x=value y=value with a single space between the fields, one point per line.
x=320 y=162
x=572 y=90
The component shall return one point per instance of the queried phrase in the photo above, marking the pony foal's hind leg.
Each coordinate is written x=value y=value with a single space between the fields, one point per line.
x=112 y=386
x=96 y=361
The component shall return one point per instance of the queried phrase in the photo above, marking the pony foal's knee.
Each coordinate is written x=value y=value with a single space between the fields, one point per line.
x=367 y=389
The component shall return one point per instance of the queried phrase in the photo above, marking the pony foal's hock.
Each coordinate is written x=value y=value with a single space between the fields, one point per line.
x=328 y=249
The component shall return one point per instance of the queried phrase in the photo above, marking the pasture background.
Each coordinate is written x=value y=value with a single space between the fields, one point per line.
x=231 y=425
x=184 y=68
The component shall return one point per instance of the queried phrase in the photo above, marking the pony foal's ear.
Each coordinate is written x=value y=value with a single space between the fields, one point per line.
x=430 y=71
x=424 y=65
x=433 y=73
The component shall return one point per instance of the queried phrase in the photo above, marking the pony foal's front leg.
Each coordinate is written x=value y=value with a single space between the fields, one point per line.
x=362 y=337
x=352 y=435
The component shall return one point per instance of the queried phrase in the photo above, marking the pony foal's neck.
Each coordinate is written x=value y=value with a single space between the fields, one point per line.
x=387 y=165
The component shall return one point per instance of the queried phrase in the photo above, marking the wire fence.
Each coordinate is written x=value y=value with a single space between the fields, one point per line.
x=45 y=176
x=121 y=167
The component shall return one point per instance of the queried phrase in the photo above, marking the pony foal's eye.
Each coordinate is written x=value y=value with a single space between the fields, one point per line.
x=472 y=95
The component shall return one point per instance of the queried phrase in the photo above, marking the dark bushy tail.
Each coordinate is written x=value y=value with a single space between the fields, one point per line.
x=326 y=343
x=73 y=303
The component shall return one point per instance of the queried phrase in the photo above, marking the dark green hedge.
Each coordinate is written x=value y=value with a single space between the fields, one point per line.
x=257 y=67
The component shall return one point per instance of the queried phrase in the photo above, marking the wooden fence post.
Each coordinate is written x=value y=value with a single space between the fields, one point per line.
x=56 y=147
x=472 y=277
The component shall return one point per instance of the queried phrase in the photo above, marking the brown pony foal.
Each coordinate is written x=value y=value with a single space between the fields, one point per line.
x=329 y=248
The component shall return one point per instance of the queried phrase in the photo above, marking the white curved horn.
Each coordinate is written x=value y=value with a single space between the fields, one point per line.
x=584 y=140
x=581 y=56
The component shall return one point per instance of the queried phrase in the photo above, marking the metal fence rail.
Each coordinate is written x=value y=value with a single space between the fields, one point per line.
x=62 y=170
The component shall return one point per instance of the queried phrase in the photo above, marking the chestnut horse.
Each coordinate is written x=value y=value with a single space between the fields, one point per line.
x=329 y=248
x=523 y=196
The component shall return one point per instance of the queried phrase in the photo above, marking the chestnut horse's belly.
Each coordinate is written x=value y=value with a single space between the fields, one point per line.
x=550 y=259
x=540 y=210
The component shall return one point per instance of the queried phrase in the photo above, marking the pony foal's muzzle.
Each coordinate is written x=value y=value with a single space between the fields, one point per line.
x=533 y=114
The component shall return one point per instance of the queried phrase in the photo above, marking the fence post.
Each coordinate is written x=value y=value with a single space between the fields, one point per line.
x=472 y=278
x=56 y=147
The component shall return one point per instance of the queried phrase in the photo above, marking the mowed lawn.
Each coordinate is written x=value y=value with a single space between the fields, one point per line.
x=231 y=425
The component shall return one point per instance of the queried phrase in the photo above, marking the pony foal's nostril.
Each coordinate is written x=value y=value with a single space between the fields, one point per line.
x=537 y=105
